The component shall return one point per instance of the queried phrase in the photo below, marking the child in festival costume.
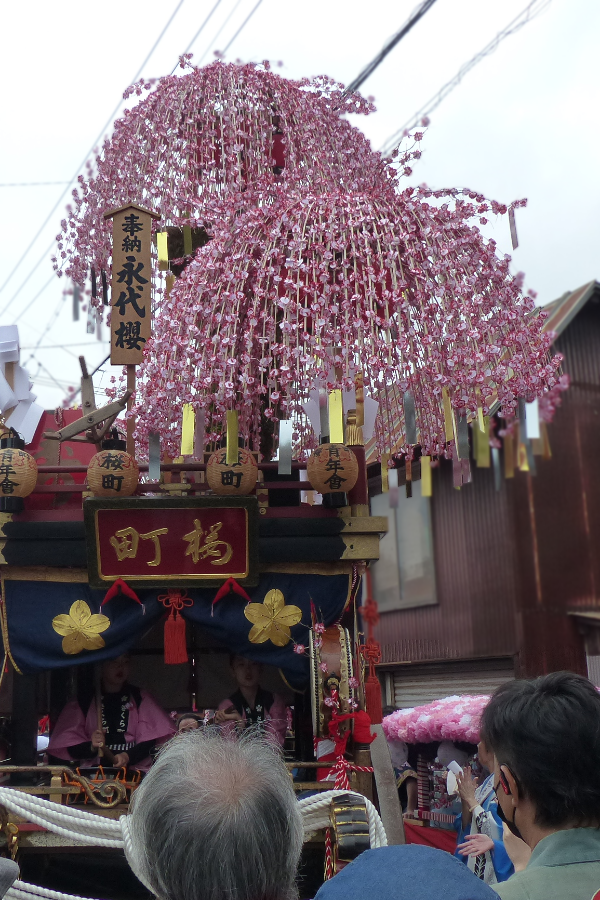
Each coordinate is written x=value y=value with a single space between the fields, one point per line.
x=132 y=723
x=251 y=704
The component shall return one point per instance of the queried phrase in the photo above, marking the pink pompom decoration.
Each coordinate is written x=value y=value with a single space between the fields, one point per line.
x=451 y=719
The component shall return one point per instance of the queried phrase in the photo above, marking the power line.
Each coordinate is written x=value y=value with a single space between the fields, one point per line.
x=64 y=346
x=31 y=302
x=244 y=23
x=212 y=43
x=80 y=166
x=368 y=70
x=98 y=367
x=199 y=32
x=525 y=16
x=31 y=183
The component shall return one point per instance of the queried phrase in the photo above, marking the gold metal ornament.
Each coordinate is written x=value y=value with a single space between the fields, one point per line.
x=81 y=629
x=272 y=619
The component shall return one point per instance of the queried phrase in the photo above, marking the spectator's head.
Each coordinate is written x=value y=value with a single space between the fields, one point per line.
x=486 y=758
x=216 y=818
x=545 y=736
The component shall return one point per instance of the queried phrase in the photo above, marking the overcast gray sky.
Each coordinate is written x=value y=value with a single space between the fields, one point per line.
x=524 y=122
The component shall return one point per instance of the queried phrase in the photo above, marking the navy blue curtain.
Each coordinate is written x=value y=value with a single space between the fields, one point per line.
x=31 y=607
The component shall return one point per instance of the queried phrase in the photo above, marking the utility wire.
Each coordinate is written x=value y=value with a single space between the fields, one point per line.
x=31 y=183
x=212 y=43
x=245 y=22
x=198 y=33
x=99 y=366
x=31 y=302
x=63 y=346
x=79 y=167
x=415 y=17
x=525 y=16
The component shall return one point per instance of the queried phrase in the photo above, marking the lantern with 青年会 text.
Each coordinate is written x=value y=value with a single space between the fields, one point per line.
x=18 y=472
x=237 y=479
x=113 y=472
x=332 y=468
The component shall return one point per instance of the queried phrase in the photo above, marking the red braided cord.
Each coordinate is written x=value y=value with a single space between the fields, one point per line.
x=328 y=855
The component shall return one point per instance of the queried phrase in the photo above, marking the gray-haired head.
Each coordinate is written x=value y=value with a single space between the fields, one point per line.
x=217 y=819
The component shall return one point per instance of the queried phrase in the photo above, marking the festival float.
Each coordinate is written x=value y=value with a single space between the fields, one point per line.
x=428 y=738
x=285 y=316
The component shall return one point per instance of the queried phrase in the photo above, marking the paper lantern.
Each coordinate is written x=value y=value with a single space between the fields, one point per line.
x=18 y=473
x=237 y=479
x=332 y=468
x=113 y=472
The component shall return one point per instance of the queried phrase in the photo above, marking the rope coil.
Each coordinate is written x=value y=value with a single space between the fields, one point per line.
x=88 y=828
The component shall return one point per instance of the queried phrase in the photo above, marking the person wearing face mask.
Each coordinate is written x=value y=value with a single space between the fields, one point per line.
x=545 y=738
x=480 y=838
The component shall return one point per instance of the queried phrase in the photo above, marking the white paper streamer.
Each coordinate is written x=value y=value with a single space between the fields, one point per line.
x=25 y=419
x=284 y=464
x=154 y=456
x=393 y=488
x=9 y=343
x=532 y=417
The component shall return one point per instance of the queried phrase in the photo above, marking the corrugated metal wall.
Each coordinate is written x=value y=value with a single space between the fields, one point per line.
x=510 y=564
x=557 y=514
x=474 y=564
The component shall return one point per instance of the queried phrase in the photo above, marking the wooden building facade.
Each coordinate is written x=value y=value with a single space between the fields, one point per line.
x=514 y=575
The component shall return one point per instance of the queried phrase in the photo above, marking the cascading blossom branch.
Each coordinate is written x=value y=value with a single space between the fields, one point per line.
x=455 y=718
x=402 y=288
x=213 y=133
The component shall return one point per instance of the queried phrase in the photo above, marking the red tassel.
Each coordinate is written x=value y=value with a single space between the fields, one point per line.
x=175 y=643
x=362 y=728
x=228 y=586
x=120 y=587
x=373 y=699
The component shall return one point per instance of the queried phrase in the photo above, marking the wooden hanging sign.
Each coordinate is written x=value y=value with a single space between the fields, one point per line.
x=130 y=324
x=173 y=542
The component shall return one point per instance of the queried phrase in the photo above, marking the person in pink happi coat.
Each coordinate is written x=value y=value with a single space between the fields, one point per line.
x=251 y=704
x=133 y=723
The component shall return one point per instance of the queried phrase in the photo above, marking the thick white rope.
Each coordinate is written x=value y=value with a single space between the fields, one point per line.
x=74 y=824
x=89 y=828
x=22 y=890
x=315 y=814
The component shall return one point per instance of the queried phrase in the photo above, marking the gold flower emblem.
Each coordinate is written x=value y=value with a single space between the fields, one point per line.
x=80 y=628
x=272 y=619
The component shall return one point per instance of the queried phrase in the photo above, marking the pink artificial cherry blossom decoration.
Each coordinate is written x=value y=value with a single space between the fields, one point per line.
x=400 y=287
x=455 y=718
x=212 y=133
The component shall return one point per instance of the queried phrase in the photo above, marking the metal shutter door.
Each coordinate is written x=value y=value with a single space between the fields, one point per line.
x=416 y=689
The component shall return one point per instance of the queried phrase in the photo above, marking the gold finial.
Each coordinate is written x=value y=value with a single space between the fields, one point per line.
x=354 y=432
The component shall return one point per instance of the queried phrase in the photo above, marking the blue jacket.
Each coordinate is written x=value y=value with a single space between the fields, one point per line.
x=408 y=872
x=485 y=820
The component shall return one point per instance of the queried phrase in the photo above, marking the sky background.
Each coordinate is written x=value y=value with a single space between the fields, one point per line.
x=524 y=123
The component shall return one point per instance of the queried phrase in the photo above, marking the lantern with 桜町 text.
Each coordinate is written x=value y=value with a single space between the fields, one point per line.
x=113 y=472
x=235 y=479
